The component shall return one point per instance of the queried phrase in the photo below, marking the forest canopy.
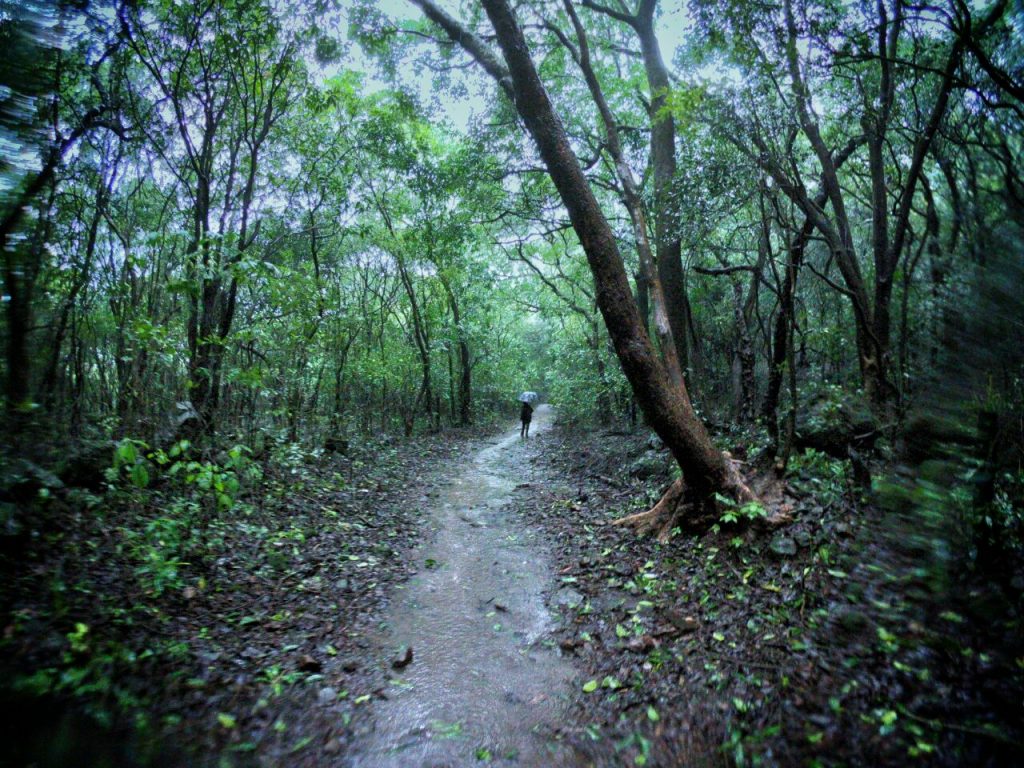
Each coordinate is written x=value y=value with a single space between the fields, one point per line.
x=188 y=198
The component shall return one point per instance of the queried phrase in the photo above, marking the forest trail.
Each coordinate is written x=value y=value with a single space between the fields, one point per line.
x=482 y=685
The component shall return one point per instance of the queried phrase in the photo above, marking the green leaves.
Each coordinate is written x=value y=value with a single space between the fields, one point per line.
x=734 y=513
x=444 y=730
x=127 y=452
x=608 y=682
x=128 y=457
x=685 y=104
x=140 y=475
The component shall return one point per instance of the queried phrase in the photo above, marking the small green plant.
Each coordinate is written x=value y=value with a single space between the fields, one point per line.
x=278 y=679
x=130 y=461
x=79 y=638
x=820 y=474
x=216 y=484
x=734 y=513
x=90 y=669
x=158 y=548
x=193 y=493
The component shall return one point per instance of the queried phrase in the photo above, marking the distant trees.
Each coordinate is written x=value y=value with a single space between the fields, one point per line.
x=59 y=88
x=903 y=55
x=219 y=80
x=213 y=222
x=827 y=148
x=213 y=241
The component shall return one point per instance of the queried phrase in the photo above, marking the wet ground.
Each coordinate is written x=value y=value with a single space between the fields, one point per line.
x=816 y=643
x=485 y=682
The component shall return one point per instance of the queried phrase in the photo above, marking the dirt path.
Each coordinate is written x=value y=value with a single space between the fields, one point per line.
x=483 y=684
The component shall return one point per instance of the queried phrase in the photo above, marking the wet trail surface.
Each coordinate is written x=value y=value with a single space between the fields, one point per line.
x=485 y=683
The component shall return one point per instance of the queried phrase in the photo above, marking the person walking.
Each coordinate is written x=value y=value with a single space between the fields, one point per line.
x=525 y=415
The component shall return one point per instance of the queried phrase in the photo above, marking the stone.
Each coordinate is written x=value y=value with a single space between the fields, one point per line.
x=567 y=597
x=336 y=445
x=655 y=443
x=84 y=467
x=402 y=659
x=783 y=546
x=849 y=625
x=648 y=465
x=568 y=644
x=683 y=623
x=252 y=652
x=327 y=696
x=643 y=644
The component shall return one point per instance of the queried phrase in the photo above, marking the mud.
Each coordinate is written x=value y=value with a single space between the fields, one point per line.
x=485 y=683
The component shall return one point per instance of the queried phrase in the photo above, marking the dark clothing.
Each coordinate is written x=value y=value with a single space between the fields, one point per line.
x=526 y=413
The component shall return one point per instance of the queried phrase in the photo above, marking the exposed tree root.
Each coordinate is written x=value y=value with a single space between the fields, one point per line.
x=661 y=517
x=735 y=480
x=664 y=516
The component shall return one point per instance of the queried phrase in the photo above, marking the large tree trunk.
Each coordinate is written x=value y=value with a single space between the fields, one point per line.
x=653 y=276
x=420 y=335
x=663 y=160
x=783 y=339
x=465 y=393
x=663 y=163
x=667 y=407
x=21 y=264
x=19 y=319
x=48 y=384
x=744 y=357
x=643 y=299
x=465 y=384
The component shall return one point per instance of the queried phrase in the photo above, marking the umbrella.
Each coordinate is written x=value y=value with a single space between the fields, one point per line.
x=528 y=397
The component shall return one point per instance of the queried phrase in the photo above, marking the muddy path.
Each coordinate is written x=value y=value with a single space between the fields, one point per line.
x=485 y=683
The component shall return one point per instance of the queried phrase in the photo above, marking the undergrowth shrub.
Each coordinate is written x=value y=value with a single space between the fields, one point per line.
x=192 y=495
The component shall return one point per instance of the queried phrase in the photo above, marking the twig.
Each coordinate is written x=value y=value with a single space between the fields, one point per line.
x=934 y=723
x=741 y=662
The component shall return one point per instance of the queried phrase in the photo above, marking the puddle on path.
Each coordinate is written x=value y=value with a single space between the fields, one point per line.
x=482 y=686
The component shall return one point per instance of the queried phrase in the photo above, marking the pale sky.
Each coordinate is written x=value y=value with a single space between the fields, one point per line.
x=672 y=23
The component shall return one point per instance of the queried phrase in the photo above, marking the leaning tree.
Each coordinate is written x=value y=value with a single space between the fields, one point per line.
x=664 y=399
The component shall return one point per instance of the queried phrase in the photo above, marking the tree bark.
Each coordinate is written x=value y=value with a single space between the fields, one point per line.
x=783 y=334
x=664 y=325
x=663 y=164
x=21 y=267
x=465 y=393
x=744 y=356
x=663 y=159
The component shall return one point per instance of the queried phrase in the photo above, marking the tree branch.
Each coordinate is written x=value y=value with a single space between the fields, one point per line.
x=469 y=41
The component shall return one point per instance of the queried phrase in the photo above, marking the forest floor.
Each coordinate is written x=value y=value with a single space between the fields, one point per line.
x=840 y=639
x=459 y=600
x=255 y=652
